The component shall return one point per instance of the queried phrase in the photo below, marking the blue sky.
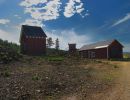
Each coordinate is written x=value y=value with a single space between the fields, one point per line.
x=72 y=21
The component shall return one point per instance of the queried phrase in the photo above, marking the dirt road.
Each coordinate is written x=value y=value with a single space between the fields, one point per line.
x=122 y=90
x=125 y=81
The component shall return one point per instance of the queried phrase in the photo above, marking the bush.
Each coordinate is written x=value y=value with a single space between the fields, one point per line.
x=5 y=74
x=8 y=51
x=35 y=78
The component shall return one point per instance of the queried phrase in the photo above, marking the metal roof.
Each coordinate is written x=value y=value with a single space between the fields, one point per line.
x=33 y=31
x=101 y=44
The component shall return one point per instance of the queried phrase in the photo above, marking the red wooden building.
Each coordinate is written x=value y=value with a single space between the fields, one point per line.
x=72 y=48
x=102 y=50
x=32 y=40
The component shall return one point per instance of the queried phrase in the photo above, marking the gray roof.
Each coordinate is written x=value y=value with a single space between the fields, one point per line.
x=33 y=31
x=101 y=44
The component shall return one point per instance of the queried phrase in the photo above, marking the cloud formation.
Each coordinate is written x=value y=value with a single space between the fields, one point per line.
x=4 y=21
x=32 y=22
x=44 y=10
x=73 y=7
x=127 y=47
x=11 y=37
x=122 y=20
x=70 y=37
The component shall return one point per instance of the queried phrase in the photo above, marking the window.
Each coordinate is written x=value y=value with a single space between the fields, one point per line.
x=92 y=54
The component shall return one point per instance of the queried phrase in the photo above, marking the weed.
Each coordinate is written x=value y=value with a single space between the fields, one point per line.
x=55 y=58
x=115 y=66
x=99 y=61
x=5 y=74
x=35 y=78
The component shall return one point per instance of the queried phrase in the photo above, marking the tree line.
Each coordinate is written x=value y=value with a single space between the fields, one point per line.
x=51 y=43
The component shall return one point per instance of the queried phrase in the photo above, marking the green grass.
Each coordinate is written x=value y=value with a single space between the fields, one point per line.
x=52 y=58
x=126 y=56
x=55 y=58
x=36 y=77
x=5 y=74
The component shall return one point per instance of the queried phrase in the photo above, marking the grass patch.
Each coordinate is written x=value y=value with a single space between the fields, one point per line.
x=51 y=58
x=5 y=74
x=115 y=66
x=56 y=59
x=108 y=78
x=124 y=59
x=35 y=78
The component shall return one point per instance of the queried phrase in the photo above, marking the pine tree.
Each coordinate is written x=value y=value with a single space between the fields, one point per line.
x=50 y=42
x=57 y=44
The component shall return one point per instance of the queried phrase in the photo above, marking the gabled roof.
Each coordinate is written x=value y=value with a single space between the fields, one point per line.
x=101 y=44
x=33 y=31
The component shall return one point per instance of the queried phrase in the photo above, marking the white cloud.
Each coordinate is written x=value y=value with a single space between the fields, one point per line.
x=73 y=7
x=42 y=9
x=29 y=3
x=122 y=20
x=71 y=36
x=11 y=37
x=32 y=22
x=127 y=47
x=69 y=9
x=4 y=21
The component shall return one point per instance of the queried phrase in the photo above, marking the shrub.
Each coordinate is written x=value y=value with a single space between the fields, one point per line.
x=8 y=52
x=35 y=78
x=5 y=74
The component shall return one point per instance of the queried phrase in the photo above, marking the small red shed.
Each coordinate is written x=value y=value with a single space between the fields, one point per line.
x=102 y=50
x=32 y=40
x=72 y=48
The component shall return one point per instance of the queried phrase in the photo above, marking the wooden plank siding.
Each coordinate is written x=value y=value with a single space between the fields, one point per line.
x=115 y=50
x=32 y=40
x=94 y=53
x=104 y=51
x=34 y=46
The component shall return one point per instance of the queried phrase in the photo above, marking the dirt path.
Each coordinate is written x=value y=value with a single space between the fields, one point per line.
x=125 y=81
x=122 y=91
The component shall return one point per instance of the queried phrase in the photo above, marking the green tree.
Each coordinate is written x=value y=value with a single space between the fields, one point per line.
x=50 y=42
x=57 y=44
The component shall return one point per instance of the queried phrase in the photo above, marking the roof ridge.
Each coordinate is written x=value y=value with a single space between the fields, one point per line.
x=96 y=44
x=34 y=31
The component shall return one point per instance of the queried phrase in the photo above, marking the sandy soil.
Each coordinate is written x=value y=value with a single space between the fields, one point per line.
x=125 y=81
x=122 y=89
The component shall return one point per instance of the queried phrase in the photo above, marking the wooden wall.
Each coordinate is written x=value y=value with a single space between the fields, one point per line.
x=33 y=46
x=95 y=53
x=115 y=50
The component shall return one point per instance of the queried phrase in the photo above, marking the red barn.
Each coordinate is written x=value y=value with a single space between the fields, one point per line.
x=32 y=40
x=102 y=50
